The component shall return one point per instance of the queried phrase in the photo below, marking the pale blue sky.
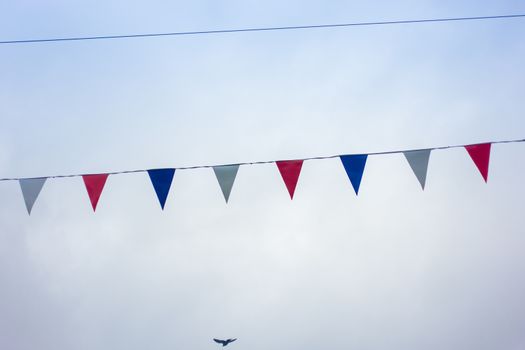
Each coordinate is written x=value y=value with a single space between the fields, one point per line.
x=394 y=268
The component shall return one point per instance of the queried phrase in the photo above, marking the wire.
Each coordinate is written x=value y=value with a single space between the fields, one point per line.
x=264 y=161
x=262 y=29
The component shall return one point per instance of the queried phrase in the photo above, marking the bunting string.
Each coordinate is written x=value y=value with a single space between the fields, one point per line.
x=261 y=29
x=290 y=170
x=192 y=167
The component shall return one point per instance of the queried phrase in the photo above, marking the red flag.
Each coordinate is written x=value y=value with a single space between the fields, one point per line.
x=94 y=186
x=290 y=170
x=480 y=154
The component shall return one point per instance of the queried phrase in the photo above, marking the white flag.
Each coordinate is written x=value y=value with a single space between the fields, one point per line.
x=418 y=161
x=30 y=190
x=226 y=176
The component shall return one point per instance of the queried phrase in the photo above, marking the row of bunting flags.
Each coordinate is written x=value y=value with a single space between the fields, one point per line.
x=290 y=170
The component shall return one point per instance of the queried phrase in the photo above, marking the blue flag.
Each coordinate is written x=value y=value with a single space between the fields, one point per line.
x=161 y=180
x=354 y=166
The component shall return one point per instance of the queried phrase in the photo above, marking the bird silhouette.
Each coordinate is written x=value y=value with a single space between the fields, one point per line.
x=224 y=342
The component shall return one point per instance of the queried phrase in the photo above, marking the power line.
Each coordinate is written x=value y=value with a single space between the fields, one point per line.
x=261 y=29
x=263 y=162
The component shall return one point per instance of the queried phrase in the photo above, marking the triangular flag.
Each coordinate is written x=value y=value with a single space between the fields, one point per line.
x=290 y=171
x=161 y=180
x=355 y=166
x=30 y=190
x=226 y=176
x=480 y=154
x=418 y=161
x=94 y=186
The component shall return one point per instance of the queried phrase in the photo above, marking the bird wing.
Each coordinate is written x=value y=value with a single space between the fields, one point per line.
x=218 y=341
x=232 y=340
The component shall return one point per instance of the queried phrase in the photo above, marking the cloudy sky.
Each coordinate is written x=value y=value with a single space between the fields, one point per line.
x=395 y=268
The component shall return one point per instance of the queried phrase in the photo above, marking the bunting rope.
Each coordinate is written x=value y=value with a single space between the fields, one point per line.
x=191 y=167
x=354 y=165
x=261 y=29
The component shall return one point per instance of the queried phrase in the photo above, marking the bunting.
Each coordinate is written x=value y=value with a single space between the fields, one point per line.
x=161 y=180
x=94 y=186
x=290 y=171
x=354 y=166
x=225 y=175
x=30 y=190
x=480 y=155
x=418 y=161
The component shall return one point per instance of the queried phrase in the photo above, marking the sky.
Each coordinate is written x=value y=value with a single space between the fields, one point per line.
x=393 y=268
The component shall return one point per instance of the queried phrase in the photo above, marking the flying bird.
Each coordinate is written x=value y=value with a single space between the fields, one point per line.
x=224 y=342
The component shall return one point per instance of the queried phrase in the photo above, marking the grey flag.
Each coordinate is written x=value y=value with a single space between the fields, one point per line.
x=30 y=190
x=418 y=161
x=226 y=176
